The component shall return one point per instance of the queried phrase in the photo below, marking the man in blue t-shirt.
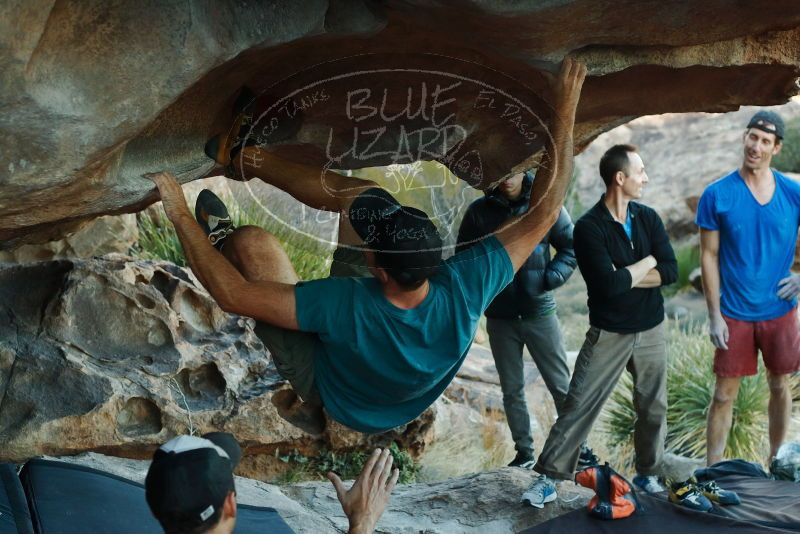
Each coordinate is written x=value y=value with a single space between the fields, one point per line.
x=748 y=233
x=374 y=351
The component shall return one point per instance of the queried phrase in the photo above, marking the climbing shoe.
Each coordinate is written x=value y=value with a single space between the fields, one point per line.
x=587 y=458
x=523 y=459
x=213 y=217
x=688 y=495
x=718 y=495
x=257 y=121
x=541 y=491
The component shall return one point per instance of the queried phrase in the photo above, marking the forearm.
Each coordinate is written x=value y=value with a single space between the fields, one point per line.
x=709 y=267
x=213 y=270
x=650 y=280
x=640 y=269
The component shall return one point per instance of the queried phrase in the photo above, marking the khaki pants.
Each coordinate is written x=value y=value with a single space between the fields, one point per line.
x=600 y=363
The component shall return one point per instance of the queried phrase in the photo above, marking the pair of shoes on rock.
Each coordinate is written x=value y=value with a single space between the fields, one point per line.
x=700 y=496
x=281 y=125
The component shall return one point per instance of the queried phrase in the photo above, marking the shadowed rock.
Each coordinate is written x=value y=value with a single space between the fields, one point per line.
x=95 y=94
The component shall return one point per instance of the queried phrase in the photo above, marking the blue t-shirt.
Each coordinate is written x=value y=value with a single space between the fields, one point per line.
x=756 y=244
x=379 y=366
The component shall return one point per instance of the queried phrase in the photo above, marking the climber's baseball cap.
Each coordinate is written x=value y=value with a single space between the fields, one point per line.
x=189 y=479
x=405 y=241
x=768 y=121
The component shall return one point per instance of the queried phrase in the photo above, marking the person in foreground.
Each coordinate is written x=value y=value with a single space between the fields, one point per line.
x=625 y=257
x=190 y=486
x=524 y=313
x=748 y=234
x=375 y=351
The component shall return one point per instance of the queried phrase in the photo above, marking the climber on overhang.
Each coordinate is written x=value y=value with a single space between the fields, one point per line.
x=374 y=351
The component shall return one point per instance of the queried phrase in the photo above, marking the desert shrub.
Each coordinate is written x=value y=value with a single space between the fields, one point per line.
x=346 y=464
x=690 y=385
x=789 y=158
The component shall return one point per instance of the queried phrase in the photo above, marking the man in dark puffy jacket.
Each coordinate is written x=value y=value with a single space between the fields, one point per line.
x=524 y=313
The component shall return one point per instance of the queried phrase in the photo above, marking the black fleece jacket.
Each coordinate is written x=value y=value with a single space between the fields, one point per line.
x=529 y=294
x=604 y=250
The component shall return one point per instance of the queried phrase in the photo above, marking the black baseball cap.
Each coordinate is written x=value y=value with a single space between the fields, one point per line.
x=189 y=478
x=405 y=241
x=768 y=121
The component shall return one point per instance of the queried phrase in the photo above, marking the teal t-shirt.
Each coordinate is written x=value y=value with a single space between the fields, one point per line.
x=378 y=366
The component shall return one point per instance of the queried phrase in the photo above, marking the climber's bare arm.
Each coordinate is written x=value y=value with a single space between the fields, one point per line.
x=520 y=235
x=270 y=302
x=322 y=190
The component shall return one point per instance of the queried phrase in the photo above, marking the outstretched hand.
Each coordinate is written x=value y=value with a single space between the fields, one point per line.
x=789 y=287
x=171 y=194
x=366 y=499
x=568 y=84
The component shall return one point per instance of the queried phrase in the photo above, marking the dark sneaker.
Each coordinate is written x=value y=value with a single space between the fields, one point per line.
x=686 y=494
x=213 y=217
x=587 y=458
x=541 y=491
x=718 y=495
x=523 y=459
x=648 y=484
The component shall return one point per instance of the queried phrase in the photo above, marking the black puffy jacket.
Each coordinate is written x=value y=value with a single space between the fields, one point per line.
x=530 y=293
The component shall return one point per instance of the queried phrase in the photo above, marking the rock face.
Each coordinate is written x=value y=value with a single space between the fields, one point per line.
x=486 y=502
x=97 y=93
x=104 y=235
x=117 y=356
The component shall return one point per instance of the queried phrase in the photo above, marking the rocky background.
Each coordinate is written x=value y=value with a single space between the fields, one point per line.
x=94 y=93
x=103 y=352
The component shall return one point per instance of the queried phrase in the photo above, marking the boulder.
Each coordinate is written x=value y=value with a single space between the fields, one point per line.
x=95 y=94
x=115 y=355
x=484 y=502
x=104 y=235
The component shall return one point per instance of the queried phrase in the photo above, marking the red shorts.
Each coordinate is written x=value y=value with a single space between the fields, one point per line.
x=777 y=339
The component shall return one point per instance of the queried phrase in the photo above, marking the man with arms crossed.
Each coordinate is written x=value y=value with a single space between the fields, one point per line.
x=375 y=352
x=625 y=257
x=748 y=233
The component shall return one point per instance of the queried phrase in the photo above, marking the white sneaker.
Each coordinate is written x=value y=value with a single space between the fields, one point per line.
x=648 y=484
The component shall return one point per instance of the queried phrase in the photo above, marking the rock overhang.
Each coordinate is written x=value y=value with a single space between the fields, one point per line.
x=98 y=94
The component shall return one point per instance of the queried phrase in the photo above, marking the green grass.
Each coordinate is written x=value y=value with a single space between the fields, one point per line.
x=690 y=385
x=347 y=465
x=158 y=240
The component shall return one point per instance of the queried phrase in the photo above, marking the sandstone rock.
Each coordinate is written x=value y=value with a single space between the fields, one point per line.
x=113 y=355
x=89 y=105
x=104 y=235
x=486 y=502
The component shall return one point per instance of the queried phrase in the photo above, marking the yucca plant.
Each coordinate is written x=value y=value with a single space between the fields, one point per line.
x=690 y=385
